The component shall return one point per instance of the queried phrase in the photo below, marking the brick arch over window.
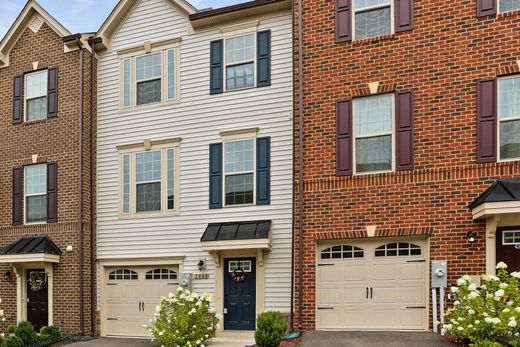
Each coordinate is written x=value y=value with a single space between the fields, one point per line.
x=398 y=249
x=342 y=252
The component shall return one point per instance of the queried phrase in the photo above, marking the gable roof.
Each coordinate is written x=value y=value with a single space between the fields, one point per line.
x=123 y=9
x=501 y=190
x=31 y=9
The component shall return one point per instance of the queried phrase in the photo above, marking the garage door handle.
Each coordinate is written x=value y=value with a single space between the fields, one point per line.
x=111 y=318
x=142 y=305
x=416 y=261
x=367 y=292
x=325 y=308
x=417 y=307
x=371 y=292
x=139 y=307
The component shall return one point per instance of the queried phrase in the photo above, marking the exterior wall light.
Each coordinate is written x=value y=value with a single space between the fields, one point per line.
x=471 y=236
x=7 y=275
x=201 y=265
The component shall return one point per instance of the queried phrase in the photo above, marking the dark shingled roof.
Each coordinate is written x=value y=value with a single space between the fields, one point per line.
x=501 y=190
x=232 y=8
x=237 y=231
x=31 y=245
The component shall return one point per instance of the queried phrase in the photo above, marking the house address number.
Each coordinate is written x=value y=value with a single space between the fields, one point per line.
x=200 y=276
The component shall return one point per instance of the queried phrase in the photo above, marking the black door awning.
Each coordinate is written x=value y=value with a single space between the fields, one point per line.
x=251 y=230
x=501 y=191
x=31 y=245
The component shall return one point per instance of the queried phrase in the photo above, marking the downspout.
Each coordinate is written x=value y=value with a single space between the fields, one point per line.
x=80 y=191
x=293 y=261
x=300 y=162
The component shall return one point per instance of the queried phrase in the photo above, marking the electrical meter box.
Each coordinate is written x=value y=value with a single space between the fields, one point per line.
x=439 y=273
x=186 y=280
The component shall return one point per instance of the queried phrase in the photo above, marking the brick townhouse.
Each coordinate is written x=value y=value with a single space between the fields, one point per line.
x=47 y=125
x=409 y=121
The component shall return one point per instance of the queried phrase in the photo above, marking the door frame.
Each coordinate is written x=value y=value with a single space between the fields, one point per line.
x=425 y=240
x=219 y=290
x=104 y=264
x=20 y=270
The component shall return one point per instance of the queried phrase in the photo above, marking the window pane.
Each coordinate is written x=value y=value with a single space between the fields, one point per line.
x=239 y=49
x=149 y=197
x=148 y=66
x=373 y=23
x=239 y=156
x=126 y=183
x=240 y=76
x=373 y=115
x=359 y=4
x=148 y=166
x=509 y=97
x=36 y=84
x=126 y=83
x=510 y=139
x=374 y=154
x=36 y=179
x=148 y=92
x=509 y=5
x=239 y=189
x=171 y=74
x=37 y=109
x=171 y=179
x=36 y=208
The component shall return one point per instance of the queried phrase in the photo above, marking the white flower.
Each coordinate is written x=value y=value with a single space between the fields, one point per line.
x=471 y=311
x=496 y=320
x=509 y=303
x=470 y=325
x=515 y=274
x=448 y=326
x=485 y=314
x=501 y=265
x=477 y=322
x=454 y=289
x=512 y=324
x=456 y=303
x=157 y=308
x=488 y=320
x=506 y=310
x=171 y=295
x=473 y=295
x=483 y=286
x=490 y=278
x=499 y=293
x=161 y=333
x=218 y=316
x=472 y=286
x=517 y=309
x=503 y=285
x=461 y=281
x=460 y=328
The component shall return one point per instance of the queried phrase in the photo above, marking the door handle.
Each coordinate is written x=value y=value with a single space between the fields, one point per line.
x=371 y=292
x=142 y=305
x=367 y=292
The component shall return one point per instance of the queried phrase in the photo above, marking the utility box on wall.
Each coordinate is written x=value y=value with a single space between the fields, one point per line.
x=439 y=273
x=186 y=280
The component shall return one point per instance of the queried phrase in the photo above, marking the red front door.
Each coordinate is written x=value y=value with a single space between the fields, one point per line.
x=508 y=247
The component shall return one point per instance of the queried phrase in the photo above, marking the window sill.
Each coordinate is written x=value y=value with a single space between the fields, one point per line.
x=238 y=206
x=238 y=89
x=376 y=39
x=149 y=215
x=30 y=122
x=35 y=223
x=361 y=174
x=149 y=106
x=508 y=14
x=508 y=160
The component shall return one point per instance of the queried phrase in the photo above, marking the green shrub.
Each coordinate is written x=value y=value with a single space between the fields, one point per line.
x=488 y=316
x=52 y=331
x=11 y=329
x=271 y=328
x=25 y=332
x=183 y=319
x=10 y=341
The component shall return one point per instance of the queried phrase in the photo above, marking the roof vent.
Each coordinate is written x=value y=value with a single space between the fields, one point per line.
x=36 y=24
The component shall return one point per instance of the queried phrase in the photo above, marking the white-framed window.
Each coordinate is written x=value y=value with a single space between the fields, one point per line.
x=123 y=275
x=149 y=180
x=240 y=61
x=509 y=118
x=35 y=95
x=35 y=191
x=374 y=133
x=373 y=18
x=161 y=274
x=511 y=237
x=398 y=249
x=240 y=264
x=239 y=172
x=342 y=252
x=150 y=78
x=508 y=5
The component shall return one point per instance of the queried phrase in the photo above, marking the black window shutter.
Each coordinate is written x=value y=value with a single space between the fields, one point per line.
x=343 y=20
x=344 y=138
x=486 y=8
x=18 y=99
x=216 y=67
x=18 y=196
x=52 y=92
x=403 y=15
x=487 y=120
x=215 y=175
x=405 y=135
x=52 y=193
x=264 y=58
x=263 y=171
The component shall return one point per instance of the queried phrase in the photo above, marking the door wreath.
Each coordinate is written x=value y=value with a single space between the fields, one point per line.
x=37 y=281
x=239 y=275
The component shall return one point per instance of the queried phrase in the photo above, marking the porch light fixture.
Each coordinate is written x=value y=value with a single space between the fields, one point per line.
x=471 y=236
x=7 y=275
x=201 y=265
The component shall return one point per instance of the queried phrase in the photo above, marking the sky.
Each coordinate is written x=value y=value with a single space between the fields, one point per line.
x=80 y=15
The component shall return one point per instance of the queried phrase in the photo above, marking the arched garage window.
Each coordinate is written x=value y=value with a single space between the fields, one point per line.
x=123 y=274
x=401 y=249
x=342 y=252
x=161 y=274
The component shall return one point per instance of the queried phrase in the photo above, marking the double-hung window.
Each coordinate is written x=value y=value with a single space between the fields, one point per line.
x=35 y=193
x=150 y=78
x=509 y=117
x=149 y=179
x=239 y=172
x=508 y=5
x=373 y=133
x=36 y=96
x=373 y=18
x=240 y=61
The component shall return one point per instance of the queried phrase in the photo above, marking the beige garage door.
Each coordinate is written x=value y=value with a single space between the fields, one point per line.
x=372 y=285
x=132 y=294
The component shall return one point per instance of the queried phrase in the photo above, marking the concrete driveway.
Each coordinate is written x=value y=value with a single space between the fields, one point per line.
x=371 y=339
x=112 y=342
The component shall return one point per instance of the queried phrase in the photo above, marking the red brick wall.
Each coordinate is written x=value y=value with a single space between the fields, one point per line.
x=53 y=139
x=441 y=60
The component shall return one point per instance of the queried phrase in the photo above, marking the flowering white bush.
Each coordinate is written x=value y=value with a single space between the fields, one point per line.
x=488 y=316
x=183 y=320
x=2 y=316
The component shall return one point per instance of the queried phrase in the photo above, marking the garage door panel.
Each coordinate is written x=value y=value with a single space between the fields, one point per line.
x=414 y=294
x=412 y=271
x=412 y=318
x=384 y=271
x=355 y=317
x=329 y=274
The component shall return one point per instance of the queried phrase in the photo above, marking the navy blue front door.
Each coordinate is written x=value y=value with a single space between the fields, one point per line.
x=239 y=293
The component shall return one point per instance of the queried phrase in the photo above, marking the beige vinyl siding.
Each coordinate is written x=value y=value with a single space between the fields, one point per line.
x=198 y=119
